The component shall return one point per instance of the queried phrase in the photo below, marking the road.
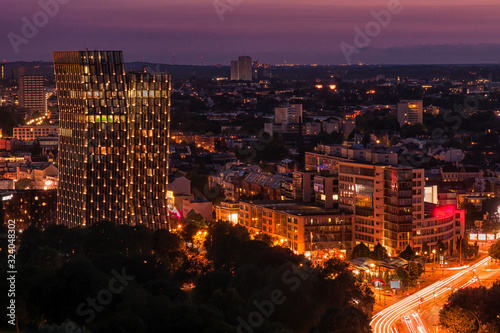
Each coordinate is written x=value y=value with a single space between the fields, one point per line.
x=418 y=313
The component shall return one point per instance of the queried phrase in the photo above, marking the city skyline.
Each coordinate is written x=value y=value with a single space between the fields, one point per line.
x=417 y=32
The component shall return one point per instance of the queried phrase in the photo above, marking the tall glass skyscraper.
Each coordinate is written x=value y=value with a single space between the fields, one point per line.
x=114 y=136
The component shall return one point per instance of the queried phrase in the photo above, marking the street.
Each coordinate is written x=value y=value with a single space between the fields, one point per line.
x=419 y=312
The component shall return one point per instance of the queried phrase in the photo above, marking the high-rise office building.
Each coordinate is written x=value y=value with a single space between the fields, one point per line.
x=31 y=93
x=148 y=139
x=242 y=69
x=245 y=68
x=114 y=132
x=235 y=70
x=410 y=112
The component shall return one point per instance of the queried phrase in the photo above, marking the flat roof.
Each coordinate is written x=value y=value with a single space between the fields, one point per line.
x=294 y=207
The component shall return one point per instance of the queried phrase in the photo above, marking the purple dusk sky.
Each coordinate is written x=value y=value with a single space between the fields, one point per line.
x=272 y=31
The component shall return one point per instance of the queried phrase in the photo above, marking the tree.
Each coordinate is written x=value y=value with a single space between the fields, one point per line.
x=494 y=250
x=472 y=309
x=333 y=267
x=410 y=274
x=216 y=194
x=441 y=248
x=24 y=184
x=196 y=219
x=366 y=140
x=334 y=321
x=360 y=250
x=457 y=320
x=36 y=149
x=465 y=249
x=408 y=253
x=425 y=248
x=379 y=252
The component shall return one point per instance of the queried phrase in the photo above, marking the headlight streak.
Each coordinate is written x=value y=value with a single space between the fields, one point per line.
x=382 y=322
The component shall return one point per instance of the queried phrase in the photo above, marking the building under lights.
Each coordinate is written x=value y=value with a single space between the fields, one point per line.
x=303 y=228
x=241 y=69
x=114 y=136
x=410 y=112
x=32 y=93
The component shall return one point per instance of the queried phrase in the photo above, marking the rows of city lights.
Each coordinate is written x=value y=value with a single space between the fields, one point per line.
x=36 y=121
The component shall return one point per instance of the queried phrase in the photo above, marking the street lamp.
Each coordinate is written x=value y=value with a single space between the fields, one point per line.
x=434 y=259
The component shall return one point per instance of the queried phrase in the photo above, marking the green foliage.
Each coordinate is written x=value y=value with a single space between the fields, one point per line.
x=60 y=269
x=216 y=194
x=456 y=320
x=425 y=248
x=494 y=250
x=333 y=267
x=369 y=123
x=411 y=131
x=360 y=250
x=268 y=149
x=441 y=248
x=379 y=252
x=410 y=274
x=343 y=320
x=471 y=308
x=465 y=249
x=471 y=213
x=24 y=184
x=408 y=253
x=36 y=150
x=9 y=120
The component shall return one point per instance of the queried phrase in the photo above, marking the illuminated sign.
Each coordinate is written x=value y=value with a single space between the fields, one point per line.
x=9 y=197
x=490 y=237
x=395 y=284
x=481 y=237
x=473 y=236
x=444 y=211
x=170 y=194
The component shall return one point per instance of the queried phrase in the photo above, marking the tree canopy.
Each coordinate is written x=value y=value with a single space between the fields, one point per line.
x=132 y=279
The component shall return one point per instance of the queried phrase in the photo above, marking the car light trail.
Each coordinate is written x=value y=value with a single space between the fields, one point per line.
x=383 y=321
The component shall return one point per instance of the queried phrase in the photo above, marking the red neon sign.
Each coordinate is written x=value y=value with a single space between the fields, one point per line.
x=444 y=211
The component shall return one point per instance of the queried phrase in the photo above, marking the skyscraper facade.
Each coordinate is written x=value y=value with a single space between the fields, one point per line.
x=241 y=69
x=235 y=70
x=31 y=93
x=148 y=134
x=245 y=68
x=113 y=151
x=410 y=112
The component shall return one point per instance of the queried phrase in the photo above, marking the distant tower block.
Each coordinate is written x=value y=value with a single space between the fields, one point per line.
x=241 y=69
